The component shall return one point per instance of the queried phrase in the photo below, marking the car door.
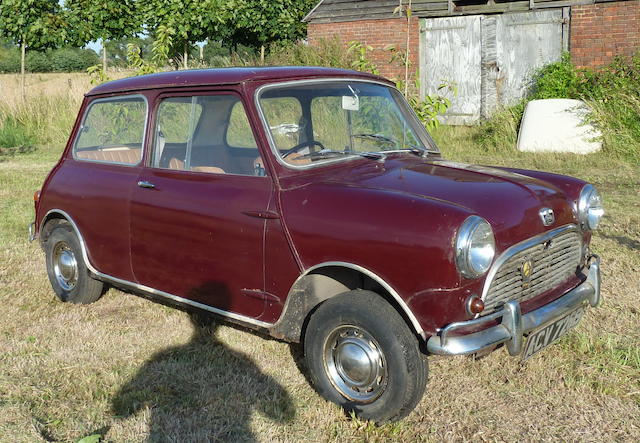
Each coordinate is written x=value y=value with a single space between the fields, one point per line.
x=93 y=184
x=197 y=214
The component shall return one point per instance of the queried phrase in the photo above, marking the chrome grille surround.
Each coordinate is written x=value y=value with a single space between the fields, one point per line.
x=553 y=264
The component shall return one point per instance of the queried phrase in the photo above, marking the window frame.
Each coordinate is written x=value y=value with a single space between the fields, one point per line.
x=226 y=131
x=421 y=131
x=113 y=98
x=209 y=92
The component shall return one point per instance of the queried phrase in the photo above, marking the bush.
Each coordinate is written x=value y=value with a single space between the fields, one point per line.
x=56 y=60
x=9 y=60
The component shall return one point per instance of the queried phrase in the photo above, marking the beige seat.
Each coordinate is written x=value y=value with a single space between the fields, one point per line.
x=178 y=164
x=114 y=154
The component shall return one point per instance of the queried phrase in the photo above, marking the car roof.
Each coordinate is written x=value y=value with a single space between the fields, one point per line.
x=224 y=76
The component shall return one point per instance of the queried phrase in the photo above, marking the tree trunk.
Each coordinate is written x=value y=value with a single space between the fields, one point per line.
x=104 y=57
x=201 y=53
x=262 y=54
x=186 y=54
x=23 y=75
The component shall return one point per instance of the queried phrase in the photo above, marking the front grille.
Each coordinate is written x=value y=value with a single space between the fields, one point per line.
x=554 y=262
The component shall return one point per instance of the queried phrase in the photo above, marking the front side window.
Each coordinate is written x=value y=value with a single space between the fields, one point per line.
x=112 y=131
x=206 y=133
x=316 y=122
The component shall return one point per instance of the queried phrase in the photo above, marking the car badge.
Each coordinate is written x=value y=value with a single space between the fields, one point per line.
x=546 y=214
x=526 y=271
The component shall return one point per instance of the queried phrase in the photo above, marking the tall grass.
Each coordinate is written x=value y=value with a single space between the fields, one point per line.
x=41 y=120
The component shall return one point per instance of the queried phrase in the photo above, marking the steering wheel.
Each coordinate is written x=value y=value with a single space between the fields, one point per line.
x=299 y=146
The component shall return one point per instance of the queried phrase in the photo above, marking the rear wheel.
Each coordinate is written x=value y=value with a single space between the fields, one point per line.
x=362 y=355
x=66 y=268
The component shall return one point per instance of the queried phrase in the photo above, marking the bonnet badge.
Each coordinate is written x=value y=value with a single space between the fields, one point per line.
x=546 y=214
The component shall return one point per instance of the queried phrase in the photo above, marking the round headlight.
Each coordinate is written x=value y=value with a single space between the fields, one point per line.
x=475 y=247
x=590 y=209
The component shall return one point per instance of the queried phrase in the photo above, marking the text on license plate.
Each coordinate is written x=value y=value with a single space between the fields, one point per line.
x=550 y=333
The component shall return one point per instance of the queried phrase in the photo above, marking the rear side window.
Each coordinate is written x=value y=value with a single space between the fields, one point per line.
x=112 y=131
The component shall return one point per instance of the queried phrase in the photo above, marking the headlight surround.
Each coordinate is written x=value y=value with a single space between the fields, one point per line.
x=590 y=209
x=475 y=247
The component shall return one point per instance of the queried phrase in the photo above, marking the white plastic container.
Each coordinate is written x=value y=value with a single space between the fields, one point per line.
x=557 y=125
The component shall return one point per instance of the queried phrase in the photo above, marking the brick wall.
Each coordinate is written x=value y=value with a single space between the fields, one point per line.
x=598 y=33
x=603 y=30
x=377 y=34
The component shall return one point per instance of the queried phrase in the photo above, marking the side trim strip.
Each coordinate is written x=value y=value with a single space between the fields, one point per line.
x=238 y=317
x=232 y=315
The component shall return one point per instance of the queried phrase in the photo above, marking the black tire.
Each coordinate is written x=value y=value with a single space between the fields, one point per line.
x=67 y=271
x=354 y=328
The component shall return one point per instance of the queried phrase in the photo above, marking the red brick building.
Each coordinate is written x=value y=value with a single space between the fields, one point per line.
x=488 y=48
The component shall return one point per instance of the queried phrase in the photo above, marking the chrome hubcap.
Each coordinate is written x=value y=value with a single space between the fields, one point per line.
x=355 y=364
x=65 y=266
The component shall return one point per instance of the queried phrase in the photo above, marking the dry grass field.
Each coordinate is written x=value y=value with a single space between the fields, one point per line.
x=127 y=369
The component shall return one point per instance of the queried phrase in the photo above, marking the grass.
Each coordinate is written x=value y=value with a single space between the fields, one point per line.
x=128 y=369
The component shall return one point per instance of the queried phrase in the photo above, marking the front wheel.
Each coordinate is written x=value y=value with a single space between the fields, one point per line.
x=362 y=355
x=66 y=268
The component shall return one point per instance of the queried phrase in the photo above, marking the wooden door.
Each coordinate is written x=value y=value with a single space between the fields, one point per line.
x=526 y=41
x=490 y=59
x=451 y=54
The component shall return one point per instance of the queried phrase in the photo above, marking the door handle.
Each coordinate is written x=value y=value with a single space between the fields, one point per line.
x=146 y=184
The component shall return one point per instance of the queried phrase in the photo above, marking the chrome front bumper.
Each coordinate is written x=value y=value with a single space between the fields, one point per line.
x=514 y=325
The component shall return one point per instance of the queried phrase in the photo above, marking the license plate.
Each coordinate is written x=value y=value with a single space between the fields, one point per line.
x=550 y=333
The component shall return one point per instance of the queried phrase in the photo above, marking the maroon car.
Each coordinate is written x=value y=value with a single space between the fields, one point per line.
x=311 y=204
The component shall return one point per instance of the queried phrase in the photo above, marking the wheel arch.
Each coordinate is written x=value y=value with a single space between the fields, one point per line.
x=327 y=280
x=55 y=216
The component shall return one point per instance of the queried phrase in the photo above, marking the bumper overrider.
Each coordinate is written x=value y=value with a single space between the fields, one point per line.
x=514 y=324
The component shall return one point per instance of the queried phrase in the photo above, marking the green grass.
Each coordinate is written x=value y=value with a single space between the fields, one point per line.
x=129 y=370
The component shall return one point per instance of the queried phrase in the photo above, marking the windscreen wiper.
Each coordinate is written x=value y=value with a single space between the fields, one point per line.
x=376 y=137
x=329 y=154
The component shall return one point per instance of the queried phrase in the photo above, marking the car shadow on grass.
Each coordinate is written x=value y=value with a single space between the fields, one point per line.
x=624 y=241
x=202 y=391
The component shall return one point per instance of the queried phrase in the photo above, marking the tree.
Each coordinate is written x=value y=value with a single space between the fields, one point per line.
x=102 y=19
x=191 y=21
x=258 y=23
x=33 y=24
x=117 y=49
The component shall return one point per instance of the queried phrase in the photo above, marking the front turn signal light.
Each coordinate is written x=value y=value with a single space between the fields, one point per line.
x=475 y=305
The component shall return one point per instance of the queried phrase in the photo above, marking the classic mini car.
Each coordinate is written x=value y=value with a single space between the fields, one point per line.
x=310 y=204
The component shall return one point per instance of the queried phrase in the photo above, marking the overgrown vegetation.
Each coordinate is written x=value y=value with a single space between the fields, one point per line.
x=44 y=120
x=53 y=60
x=612 y=93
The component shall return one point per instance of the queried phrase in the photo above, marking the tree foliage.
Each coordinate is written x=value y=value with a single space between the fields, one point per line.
x=257 y=23
x=36 y=24
x=102 y=19
x=190 y=21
